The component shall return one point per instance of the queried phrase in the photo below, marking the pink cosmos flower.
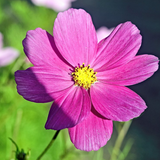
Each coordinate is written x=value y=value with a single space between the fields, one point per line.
x=7 y=54
x=57 y=5
x=87 y=80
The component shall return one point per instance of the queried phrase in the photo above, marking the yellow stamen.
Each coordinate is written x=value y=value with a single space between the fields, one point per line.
x=84 y=76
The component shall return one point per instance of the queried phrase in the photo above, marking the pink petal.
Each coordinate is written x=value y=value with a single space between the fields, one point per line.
x=57 y=5
x=42 y=84
x=137 y=70
x=119 y=48
x=103 y=32
x=117 y=103
x=40 y=48
x=91 y=134
x=8 y=55
x=69 y=109
x=75 y=36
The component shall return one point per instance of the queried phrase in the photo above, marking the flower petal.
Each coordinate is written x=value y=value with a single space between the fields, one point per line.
x=117 y=103
x=8 y=55
x=42 y=84
x=70 y=109
x=58 y=6
x=119 y=48
x=137 y=70
x=103 y=32
x=91 y=134
x=75 y=36
x=39 y=46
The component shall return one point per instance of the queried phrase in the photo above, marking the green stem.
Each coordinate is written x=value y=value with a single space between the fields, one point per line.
x=49 y=145
x=122 y=134
x=17 y=149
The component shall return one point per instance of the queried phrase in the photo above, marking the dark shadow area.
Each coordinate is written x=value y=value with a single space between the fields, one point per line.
x=30 y=87
x=145 y=15
x=33 y=89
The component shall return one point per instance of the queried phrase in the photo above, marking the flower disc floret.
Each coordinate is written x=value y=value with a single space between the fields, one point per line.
x=84 y=76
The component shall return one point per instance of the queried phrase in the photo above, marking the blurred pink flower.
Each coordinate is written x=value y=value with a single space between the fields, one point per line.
x=7 y=54
x=57 y=5
x=85 y=79
x=103 y=32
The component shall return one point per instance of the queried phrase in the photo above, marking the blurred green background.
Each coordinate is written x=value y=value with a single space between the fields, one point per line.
x=24 y=121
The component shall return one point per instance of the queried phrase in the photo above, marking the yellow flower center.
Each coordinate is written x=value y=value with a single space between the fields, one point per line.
x=84 y=76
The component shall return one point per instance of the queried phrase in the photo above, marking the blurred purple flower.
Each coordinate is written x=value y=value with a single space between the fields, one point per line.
x=57 y=5
x=7 y=54
x=103 y=32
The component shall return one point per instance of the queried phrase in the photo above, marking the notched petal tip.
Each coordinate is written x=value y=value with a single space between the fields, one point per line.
x=30 y=87
x=117 y=103
x=75 y=36
x=119 y=47
x=31 y=33
x=39 y=47
x=139 y=69
x=92 y=133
